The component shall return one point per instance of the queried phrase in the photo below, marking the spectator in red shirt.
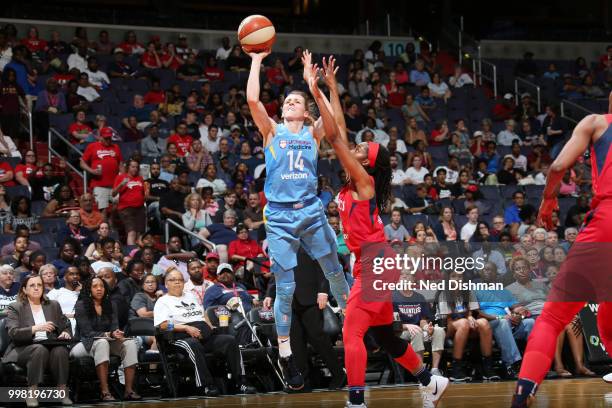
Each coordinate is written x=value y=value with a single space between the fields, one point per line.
x=181 y=139
x=270 y=104
x=209 y=271
x=6 y=174
x=212 y=72
x=242 y=248
x=395 y=92
x=80 y=131
x=150 y=59
x=440 y=135
x=156 y=95
x=27 y=169
x=33 y=43
x=131 y=46
x=170 y=59
x=401 y=75
x=130 y=188
x=504 y=110
x=102 y=159
x=276 y=74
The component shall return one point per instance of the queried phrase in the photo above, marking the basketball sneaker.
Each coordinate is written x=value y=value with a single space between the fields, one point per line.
x=291 y=374
x=608 y=378
x=432 y=393
x=349 y=405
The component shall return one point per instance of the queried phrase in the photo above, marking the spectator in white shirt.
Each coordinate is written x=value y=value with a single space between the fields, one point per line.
x=225 y=50
x=416 y=172
x=438 y=88
x=397 y=175
x=96 y=77
x=400 y=145
x=520 y=161
x=508 y=135
x=210 y=180
x=470 y=227
x=459 y=78
x=86 y=90
x=77 y=60
x=69 y=294
x=209 y=136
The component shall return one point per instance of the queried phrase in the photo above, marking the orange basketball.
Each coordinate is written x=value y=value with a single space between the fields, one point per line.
x=256 y=34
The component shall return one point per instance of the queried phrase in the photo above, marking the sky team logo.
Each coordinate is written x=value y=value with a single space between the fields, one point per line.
x=282 y=144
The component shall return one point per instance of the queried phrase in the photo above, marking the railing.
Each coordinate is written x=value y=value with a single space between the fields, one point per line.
x=479 y=76
x=568 y=107
x=185 y=230
x=82 y=173
x=528 y=84
x=26 y=123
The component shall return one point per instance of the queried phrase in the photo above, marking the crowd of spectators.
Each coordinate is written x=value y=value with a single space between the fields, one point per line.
x=194 y=157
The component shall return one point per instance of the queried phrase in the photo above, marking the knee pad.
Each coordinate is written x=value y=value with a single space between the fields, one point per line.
x=284 y=291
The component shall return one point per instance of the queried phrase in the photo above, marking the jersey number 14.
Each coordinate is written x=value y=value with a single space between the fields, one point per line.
x=298 y=163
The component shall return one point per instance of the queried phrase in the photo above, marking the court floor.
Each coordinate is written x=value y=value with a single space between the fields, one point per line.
x=570 y=393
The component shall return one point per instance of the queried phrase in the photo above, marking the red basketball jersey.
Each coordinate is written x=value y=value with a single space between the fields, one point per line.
x=601 y=165
x=361 y=223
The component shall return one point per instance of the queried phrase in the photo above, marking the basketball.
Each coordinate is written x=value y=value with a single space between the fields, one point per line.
x=256 y=34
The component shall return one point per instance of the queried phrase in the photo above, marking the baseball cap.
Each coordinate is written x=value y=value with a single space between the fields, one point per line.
x=478 y=133
x=234 y=127
x=472 y=187
x=212 y=255
x=223 y=267
x=106 y=132
x=508 y=96
x=118 y=51
x=525 y=95
x=223 y=157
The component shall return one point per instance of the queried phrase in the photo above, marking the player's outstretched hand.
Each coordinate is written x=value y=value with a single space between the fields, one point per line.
x=329 y=72
x=545 y=214
x=307 y=63
x=258 y=55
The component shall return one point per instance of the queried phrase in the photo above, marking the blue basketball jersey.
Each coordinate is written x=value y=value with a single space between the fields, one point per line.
x=291 y=166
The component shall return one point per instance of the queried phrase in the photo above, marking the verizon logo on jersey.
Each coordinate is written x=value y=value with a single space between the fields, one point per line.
x=294 y=176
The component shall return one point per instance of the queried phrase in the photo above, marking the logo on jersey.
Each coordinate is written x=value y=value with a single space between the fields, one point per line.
x=295 y=144
x=294 y=176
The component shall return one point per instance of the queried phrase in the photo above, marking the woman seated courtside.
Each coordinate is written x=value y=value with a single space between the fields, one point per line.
x=98 y=328
x=182 y=316
x=32 y=321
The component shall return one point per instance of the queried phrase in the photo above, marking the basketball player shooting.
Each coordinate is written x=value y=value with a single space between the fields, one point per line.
x=294 y=215
x=585 y=275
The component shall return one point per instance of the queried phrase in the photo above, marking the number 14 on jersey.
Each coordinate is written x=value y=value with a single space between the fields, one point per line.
x=298 y=163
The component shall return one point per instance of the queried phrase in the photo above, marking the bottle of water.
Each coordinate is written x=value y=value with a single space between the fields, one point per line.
x=170 y=323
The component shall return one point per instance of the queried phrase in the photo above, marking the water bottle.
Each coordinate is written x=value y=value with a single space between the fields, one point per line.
x=170 y=327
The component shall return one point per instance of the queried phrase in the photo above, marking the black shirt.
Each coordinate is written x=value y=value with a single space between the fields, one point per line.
x=174 y=200
x=158 y=186
x=190 y=70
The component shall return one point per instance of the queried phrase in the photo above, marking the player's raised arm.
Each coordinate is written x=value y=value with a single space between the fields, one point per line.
x=573 y=149
x=265 y=125
x=329 y=74
x=355 y=170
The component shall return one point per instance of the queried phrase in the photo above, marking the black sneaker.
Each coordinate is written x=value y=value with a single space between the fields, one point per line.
x=487 y=370
x=244 y=388
x=458 y=373
x=291 y=374
x=211 y=391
